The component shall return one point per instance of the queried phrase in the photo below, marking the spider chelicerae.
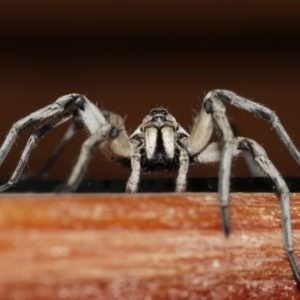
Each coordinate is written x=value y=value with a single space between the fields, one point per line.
x=160 y=143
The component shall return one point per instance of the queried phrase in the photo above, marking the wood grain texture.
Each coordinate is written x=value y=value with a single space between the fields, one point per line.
x=144 y=246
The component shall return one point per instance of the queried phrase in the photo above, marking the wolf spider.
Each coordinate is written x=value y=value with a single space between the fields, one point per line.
x=160 y=143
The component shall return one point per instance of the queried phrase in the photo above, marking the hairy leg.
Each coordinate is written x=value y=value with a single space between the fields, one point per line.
x=215 y=107
x=260 y=156
x=183 y=169
x=133 y=181
x=91 y=144
x=32 y=141
x=58 y=150
x=260 y=111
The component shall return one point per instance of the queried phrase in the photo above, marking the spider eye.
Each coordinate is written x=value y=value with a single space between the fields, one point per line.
x=164 y=112
x=153 y=112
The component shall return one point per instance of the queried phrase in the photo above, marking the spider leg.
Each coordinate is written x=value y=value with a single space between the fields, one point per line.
x=259 y=154
x=211 y=154
x=32 y=141
x=183 y=169
x=215 y=107
x=65 y=106
x=93 y=142
x=133 y=181
x=60 y=105
x=213 y=113
x=194 y=144
x=254 y=169
x=107 y=132
x=201 y=133
x=71 y=131
x=260 y=111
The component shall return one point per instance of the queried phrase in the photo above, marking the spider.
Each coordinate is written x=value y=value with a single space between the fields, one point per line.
x=160 y=143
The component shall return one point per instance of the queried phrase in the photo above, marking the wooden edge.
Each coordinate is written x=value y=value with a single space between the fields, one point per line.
x=144 y=246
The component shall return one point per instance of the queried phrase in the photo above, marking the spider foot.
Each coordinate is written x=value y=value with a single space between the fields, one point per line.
x=5 y=186
x=226 y=220
x=294 y=264
x=180 y=189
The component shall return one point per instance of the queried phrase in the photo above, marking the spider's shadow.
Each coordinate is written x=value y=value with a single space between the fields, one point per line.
x=245 y=184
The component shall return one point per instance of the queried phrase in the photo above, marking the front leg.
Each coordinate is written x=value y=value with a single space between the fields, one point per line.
x=183 y=169
x=133 y=181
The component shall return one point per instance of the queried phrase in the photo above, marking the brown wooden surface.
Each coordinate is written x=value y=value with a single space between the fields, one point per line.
x=145 y=246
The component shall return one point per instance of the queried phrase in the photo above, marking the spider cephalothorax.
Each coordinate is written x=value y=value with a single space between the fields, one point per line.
x=158 y=137
x=160 y=143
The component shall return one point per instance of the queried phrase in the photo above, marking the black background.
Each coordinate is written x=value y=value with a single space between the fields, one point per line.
x=128 y=56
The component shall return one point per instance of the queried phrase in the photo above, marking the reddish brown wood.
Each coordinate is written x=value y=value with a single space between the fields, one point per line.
x=145 y=246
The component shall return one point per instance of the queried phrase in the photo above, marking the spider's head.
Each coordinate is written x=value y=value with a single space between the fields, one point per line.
x=158 y=113
x=159 y=117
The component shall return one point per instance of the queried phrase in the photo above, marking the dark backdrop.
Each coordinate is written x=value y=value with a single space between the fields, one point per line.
x=128 y=56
